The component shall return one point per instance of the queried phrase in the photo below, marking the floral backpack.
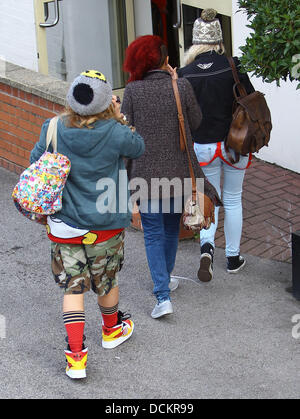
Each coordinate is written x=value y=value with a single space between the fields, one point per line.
x=39 y=190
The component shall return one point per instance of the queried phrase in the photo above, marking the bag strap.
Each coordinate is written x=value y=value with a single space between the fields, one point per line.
x=183 y=140
x=231 y=160
x=52 y=134
x=180 y=117
x=242 y=92
x=238 y=84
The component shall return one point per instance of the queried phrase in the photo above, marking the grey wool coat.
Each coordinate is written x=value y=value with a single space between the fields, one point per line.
x=150 y=106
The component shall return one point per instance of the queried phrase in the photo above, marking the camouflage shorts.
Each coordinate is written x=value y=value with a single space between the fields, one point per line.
x=77 y=268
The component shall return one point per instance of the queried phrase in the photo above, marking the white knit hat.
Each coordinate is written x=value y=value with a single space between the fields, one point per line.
x=207 y=29
x=90 y=93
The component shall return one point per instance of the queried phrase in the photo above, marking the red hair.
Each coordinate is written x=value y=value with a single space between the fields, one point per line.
x=162 y=7
x=161 y=4
x=146 y=53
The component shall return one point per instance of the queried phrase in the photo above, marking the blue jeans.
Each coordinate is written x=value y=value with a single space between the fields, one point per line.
x=232 y=196
x=161 y=233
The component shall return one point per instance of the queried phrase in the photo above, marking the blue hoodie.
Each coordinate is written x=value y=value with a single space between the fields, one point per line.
x=95 y=154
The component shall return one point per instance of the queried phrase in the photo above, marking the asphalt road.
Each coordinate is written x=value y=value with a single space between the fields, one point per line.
x=231 y=338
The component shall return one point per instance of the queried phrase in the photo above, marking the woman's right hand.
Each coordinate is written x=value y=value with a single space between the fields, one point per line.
x=117 y=106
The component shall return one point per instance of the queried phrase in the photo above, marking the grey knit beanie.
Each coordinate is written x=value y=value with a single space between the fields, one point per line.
x=90 y=93
x=207 y=29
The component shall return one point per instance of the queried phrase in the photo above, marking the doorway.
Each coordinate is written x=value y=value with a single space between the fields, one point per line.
x=173 y=21
x=164 y=16
x=190 y=14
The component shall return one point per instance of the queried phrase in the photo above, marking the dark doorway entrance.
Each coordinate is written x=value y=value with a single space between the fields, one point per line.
x=164 y=16
x=190 y=14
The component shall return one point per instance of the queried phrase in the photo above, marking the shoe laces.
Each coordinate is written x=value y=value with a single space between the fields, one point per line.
x=123 y=316
x=159 y=302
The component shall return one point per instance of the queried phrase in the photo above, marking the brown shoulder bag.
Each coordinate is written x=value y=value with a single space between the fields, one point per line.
x=251 y=121
x=199 y=211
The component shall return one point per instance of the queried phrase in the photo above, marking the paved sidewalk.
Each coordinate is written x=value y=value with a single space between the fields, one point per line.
x=271 y=202
x=231 y=338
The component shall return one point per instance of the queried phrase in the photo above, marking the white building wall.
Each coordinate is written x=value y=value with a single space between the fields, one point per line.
x=17 y=33
x=284 y=103
x=143 y=17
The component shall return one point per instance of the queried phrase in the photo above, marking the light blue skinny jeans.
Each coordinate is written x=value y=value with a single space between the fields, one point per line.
x=231 y=196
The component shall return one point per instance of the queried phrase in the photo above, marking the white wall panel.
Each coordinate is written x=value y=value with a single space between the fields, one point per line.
x=17 y=33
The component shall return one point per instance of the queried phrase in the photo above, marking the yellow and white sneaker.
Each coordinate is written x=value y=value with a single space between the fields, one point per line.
x=76 y=363
x=114 y=336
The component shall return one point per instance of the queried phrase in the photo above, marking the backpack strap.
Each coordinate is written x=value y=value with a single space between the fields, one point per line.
x=52 y=134
x=242 y=93
x=229 y=156
x=238 y=84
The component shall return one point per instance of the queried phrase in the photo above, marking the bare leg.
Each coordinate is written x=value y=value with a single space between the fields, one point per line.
x=74 y=302
x=111 y=299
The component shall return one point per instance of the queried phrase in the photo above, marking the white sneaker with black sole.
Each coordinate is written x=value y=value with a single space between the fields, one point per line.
x=235 y=264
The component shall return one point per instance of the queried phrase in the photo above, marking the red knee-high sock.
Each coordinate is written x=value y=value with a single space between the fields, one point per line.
x=74 y=324
x=109 y=315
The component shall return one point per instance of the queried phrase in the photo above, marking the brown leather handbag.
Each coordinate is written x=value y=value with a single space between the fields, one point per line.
x=251 y=121
x=199 y=210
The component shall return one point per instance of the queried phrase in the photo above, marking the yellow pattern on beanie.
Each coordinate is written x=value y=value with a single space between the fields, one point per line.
x=94 y=74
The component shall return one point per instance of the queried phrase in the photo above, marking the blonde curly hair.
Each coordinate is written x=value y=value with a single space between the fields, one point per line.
x=74 y=120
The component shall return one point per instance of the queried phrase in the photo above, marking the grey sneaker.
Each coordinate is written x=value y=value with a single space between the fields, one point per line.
x=161 y=309
x=173 y=284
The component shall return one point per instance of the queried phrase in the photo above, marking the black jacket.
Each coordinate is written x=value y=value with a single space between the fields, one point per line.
x=211 y=77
